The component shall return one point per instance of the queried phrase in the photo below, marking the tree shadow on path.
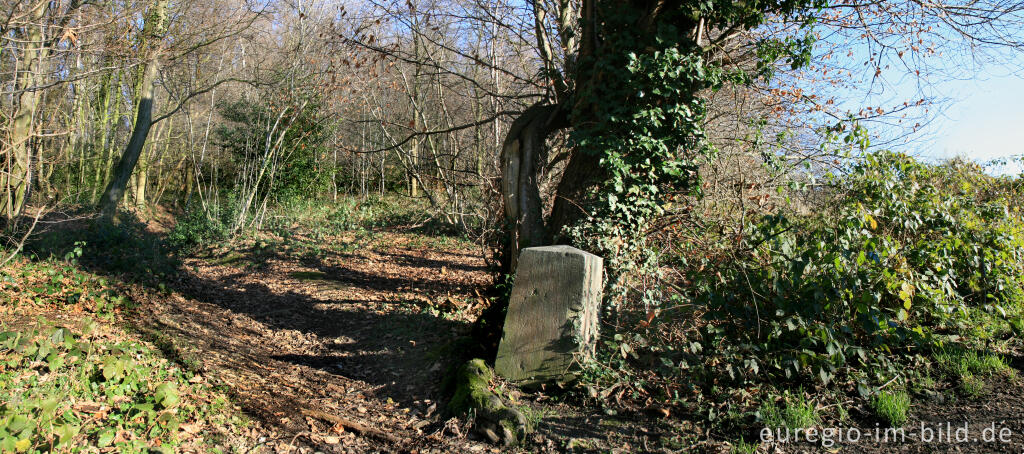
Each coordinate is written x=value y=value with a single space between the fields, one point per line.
x=364 y=346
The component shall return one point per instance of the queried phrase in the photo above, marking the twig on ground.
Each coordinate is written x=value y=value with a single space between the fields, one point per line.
x=352 y=425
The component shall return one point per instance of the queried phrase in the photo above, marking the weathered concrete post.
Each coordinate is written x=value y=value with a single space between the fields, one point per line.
x=552 y=319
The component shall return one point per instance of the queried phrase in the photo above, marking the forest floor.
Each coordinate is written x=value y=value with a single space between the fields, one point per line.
x=336 y=343
x=345 y=349
x=340 y=343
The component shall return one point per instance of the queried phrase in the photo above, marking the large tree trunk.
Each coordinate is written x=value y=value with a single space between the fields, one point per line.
x=126 y=165
x=523 y=156
x=571 y=199
x=19 y=175
x=156 y=25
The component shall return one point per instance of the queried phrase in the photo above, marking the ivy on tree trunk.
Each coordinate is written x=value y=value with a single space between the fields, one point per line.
x=631 y=95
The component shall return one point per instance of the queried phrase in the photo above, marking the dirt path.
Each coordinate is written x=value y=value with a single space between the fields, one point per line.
x=344 y=350
x=325 y=346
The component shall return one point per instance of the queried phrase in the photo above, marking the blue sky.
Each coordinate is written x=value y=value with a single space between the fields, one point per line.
x=979 y=117
x=983 y=121
x=975 y=93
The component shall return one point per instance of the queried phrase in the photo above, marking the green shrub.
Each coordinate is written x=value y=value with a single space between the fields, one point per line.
x=198 y=227
x=245 y=136
x=907 y=247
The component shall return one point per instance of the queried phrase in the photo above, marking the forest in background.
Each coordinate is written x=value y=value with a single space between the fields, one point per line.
x=270 y=101
x=770 y=249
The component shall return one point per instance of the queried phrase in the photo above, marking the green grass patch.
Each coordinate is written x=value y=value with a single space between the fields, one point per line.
x=891 y=407
x=230 y=259
x=970 y=368
x=795 y=412
x=534 y=416
x=972 y=386
x=919 y=383
x=744 y=447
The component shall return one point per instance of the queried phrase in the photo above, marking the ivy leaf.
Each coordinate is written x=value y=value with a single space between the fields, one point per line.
x=110 y=369
x=105 y=438
x=66 y=433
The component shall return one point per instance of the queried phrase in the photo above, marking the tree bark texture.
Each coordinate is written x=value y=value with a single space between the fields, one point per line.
x=155 y=27
x=523 y=157
x=19 y=175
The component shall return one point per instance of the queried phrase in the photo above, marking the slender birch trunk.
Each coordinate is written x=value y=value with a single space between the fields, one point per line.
x=156 y=25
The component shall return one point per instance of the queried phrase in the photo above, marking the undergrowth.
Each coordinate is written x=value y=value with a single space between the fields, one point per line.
x=202 y=227
x=87 y=385
x=59 y=284
x=124 y=247
x=793 y=412
x=881 y=264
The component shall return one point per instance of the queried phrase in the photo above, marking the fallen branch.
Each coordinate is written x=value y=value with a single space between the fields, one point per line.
x=352 y=425
x=21 y=244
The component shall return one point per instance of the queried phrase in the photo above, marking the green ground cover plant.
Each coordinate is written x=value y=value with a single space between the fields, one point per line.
x=80 y=389
x=891 y=407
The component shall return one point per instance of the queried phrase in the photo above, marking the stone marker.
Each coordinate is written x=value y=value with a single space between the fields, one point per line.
x=552 y=315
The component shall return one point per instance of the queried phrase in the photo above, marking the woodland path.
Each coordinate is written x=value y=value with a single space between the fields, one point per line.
x=337 y=352
x=341 y=344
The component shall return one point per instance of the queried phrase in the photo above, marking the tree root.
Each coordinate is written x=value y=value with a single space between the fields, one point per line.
x=499 y=423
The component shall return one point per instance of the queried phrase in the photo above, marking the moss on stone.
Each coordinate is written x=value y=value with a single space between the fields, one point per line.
x=472 y=394
x=472 y=389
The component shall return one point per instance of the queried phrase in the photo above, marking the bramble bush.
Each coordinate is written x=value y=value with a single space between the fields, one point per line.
x=898 y=260
x=198 y=227
x=909 y=251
